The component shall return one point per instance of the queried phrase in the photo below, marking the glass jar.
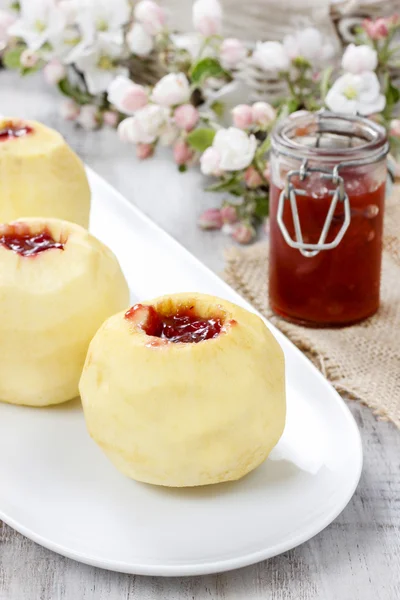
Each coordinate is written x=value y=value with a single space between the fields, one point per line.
x=328 y=176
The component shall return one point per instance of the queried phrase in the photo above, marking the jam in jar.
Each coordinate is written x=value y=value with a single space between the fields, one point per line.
x=328 y=175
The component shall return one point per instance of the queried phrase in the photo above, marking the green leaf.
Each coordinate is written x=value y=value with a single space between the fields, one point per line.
x=392 y=94
x=15 y=6
x=301 y=63
x=204 y=68
x=11 y=58
x=261 y=208
x=201 y=139
x=218 y=108
x=231 y=185
x=76 y=94
x=325 y=81
x=264 y=147
x=289 y=106
x=182 y=168
x=29 y=70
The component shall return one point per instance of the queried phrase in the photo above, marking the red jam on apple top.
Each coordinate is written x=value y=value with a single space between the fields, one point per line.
x=12 y=130
x=20 y=240
x=184 y=326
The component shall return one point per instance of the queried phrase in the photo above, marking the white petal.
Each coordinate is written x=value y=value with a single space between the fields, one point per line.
x=98 y=80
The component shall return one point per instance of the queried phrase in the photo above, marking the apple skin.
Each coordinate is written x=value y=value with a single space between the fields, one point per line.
x=42 y=177
x=51 y=305
x=181 y=414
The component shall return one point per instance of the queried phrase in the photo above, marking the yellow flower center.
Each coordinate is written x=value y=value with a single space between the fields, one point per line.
x=105 y=63
x=72 y=41
x=102 y=25
x=350 y=93
x=40 y=26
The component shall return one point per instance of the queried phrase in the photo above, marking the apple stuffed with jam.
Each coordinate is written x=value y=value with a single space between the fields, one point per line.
x=184 y=390
x=40 y=175
x=58 y=284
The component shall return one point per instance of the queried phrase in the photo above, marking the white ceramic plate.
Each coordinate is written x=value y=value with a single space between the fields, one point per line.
x=58 y=488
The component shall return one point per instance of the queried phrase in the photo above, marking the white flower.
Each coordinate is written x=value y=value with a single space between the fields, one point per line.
x=139 y=41
x=97 y=63
x=271 y=56
x=235 y=148
x=357 y=59
x=150 y=15
x=353 y=94
x=102 y=20
x=172 y=89
x=210 y=162
x=309 y=44
x=39 y=21
x=67 y=46
x=207 y=17
x=6 y=20
x=145 y=126
x=168 y=133
x=126 y=96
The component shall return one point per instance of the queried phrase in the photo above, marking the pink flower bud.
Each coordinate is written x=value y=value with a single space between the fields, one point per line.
x=376 y=30
x=150 y=15
x=210 y=219
x=28 y=59
x=395 y=128
x=88 y=117
x=54 y=71
x=126 y=96
x=229 y=214
x=263 y=113
x=243 y=233
x=186 y=116
x=252 y=178
x=69 y=110
x=110 y=118
x=144 y=151
x=135 y=98
x=267 y=173
x=232 y=52
x=242 y=116
x=207 y=17
x=182 y=152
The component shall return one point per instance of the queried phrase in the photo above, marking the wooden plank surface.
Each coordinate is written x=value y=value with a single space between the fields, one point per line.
x=356 y=558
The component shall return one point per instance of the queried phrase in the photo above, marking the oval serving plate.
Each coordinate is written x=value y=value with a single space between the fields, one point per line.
x=59 y=490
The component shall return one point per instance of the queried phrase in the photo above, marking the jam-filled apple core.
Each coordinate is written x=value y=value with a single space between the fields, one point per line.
x=10 y=130
x=27 y=243
x=185 y=326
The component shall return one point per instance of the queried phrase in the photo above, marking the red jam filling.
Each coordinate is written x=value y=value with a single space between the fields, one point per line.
x=28 y=244
x=184 y=326
x=10 y=130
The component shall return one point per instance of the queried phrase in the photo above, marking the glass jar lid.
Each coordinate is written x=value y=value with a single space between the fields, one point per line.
x=330 y=137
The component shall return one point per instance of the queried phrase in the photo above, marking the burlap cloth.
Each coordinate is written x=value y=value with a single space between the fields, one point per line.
x=362 y=360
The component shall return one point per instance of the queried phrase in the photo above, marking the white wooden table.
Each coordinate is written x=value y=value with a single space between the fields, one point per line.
x=356 y=558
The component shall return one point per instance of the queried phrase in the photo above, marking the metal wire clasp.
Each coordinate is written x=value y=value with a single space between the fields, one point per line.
x=290 y=193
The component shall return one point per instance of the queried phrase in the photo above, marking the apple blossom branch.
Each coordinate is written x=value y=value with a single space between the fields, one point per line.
x=97 y=53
